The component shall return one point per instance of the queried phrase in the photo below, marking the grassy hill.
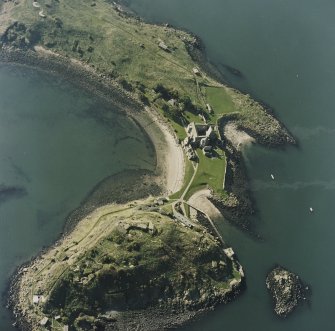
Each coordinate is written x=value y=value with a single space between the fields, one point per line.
x=126 y=258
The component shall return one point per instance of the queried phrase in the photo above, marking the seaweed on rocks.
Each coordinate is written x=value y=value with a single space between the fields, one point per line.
x=11 y=192
x=287 y=290
x=120 y=188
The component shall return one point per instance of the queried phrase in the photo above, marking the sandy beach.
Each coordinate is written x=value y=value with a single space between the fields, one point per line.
x=237 y=137
x=170 y=155
x=201 y=201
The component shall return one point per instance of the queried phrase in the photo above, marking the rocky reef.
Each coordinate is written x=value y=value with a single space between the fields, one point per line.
x=287 y=290
x=11 y=192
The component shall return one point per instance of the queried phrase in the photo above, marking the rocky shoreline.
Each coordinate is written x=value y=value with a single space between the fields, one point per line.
x=237 y=207
x=173 y=313
x=286 y=289
x=144 y=185
x=150 y=319
x=79 y=74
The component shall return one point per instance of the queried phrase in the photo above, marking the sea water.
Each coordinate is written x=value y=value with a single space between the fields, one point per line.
x=285 y=50
x=54 y=149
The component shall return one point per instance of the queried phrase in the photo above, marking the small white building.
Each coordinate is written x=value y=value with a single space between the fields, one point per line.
x=229 y=252
x=163 y=46
x=36 y=299
x=44 y=321
x=196 y=71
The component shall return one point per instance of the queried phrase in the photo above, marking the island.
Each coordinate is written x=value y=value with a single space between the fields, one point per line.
x=287 y=290
x=157 y=261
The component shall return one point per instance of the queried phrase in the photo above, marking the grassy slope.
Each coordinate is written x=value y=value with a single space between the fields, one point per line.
x=102 y=38
x=115 y=41
x=210 y=173
x=102 y=250
x=127 y=50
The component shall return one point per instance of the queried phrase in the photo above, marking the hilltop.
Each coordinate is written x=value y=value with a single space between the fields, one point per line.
x=121 y=260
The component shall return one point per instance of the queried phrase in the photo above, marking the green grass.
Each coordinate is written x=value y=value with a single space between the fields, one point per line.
x=220 y=100
x=179 y=130
x=192 y=117
x=124 y=48
x=189 y=171
x=211 y=172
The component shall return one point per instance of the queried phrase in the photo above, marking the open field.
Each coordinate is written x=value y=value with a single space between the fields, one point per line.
x=220 y=100
x=116 y=45
x=210 y=173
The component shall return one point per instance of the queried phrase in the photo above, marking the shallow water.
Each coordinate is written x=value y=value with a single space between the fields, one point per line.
x=56 y=144
x=285 y=50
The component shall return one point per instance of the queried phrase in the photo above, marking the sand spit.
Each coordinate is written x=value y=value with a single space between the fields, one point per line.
x=170 y=157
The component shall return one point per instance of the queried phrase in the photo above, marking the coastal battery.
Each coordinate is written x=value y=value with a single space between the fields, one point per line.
x=127 y=267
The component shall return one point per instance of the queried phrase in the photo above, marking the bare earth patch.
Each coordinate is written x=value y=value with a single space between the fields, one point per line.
x=237 y=137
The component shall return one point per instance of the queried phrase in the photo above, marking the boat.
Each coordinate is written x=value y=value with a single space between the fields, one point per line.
x=272 y=177
x=311 y=209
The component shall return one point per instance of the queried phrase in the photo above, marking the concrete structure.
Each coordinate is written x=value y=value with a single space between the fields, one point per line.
x=196 y=71
x=190 y=153
x=182 y=219
x=163 y=46
x=172 y=102
x=229 y=252
x=38 y=298
x=209 y=108
x=44 y=321
x=207 y=150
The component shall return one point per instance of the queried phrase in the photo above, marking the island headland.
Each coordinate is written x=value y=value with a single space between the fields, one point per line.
x=121 y=264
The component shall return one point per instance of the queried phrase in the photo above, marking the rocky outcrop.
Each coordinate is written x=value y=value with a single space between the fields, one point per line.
x=287 y=290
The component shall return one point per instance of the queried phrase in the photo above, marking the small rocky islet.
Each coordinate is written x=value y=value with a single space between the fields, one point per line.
x=286 y=289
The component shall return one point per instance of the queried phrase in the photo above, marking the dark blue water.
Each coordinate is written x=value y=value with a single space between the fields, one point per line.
x=286 y=51
x=54 y=149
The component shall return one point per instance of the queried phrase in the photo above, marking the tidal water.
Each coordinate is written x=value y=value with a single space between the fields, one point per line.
x=285 y=50
x=56 y=143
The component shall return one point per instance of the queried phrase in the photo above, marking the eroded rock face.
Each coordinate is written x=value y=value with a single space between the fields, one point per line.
x=286 y=288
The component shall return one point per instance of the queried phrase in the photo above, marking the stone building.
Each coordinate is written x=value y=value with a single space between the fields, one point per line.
x=199 y=136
